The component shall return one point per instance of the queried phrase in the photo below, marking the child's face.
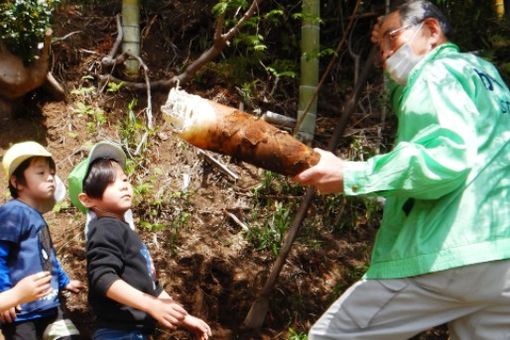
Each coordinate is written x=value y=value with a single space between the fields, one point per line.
x=117 y=195
x=39 y=181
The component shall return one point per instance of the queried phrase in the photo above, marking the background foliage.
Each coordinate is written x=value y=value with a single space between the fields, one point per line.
x=23 y=25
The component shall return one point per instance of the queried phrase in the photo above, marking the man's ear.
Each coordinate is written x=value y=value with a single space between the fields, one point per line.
x=436 y=35
x=88 y=202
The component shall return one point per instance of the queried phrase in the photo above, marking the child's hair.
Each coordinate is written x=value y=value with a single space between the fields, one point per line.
x=101 y=174
x=19 y=173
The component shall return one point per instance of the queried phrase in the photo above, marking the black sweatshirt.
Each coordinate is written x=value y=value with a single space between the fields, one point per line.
x=114 y=251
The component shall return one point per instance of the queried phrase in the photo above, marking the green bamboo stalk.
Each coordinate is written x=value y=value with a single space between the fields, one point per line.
x=499 y=7
x=310 y=31
x=131 y=40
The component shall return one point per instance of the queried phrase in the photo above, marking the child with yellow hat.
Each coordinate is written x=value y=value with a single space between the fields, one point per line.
x=26 y=247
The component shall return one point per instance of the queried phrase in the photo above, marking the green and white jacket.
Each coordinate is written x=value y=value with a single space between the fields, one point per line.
x=447 y=180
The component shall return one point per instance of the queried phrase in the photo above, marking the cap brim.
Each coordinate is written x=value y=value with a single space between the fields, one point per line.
x=106 y=150
x=102 y=150
x=75 y=183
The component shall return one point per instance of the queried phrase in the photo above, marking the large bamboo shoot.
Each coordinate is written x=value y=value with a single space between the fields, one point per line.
x=220 y=128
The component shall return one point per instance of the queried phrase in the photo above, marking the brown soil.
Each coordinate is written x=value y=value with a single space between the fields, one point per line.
x=207 y=263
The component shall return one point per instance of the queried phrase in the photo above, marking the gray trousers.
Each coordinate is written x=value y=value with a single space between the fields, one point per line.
x=474 y=300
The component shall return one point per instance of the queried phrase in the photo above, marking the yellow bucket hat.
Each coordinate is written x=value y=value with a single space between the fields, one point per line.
x=20 y=152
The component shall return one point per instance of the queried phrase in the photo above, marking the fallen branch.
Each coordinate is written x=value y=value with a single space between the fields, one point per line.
x=237 y=221
x=219 y=43
x=154 y=85
x=211 y=160
x=52 y=86
x=110 y=59
x=148 y=87
x=68 y=35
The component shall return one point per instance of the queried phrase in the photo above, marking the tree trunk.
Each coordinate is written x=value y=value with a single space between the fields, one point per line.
x=16 y=78
x=310 y=31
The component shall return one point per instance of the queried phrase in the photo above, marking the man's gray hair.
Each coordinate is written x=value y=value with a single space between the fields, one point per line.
x=415 y=11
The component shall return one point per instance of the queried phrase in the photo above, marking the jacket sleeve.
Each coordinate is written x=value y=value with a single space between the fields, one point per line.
x=63 y=279
x=5 y=278
x=435 y=146
x=105 y=249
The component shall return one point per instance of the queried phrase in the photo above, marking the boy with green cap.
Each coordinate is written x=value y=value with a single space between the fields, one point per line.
x=26 y=247
x=123 y=290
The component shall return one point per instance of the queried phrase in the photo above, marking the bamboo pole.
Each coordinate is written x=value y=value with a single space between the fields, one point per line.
x=310 y=36
x=131 y=39
x=500 y=8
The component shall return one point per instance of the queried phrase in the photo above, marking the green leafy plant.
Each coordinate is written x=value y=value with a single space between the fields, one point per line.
x=114 y=87
x=296 y=335
x=84 y=91
x=23 y=25
x=270 y=234
x=132 y=127
x=96 y=114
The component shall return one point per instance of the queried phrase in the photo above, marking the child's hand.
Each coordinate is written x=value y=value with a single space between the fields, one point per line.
x=197 y=326
x=167 y=312
x=75 y=286
x=8 y=316
x=33 y=287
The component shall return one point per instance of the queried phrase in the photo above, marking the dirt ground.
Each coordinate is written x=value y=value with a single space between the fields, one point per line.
x=210 y=267
x=203 y=258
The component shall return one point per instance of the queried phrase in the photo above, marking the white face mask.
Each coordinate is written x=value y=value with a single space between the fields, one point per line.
x=400 y=64
x=60 y=190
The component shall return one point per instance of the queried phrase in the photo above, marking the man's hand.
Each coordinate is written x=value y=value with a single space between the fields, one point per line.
x=75 y=286
x=326 y=176
x=167 y=312
x=197 y=326
x=32 y=287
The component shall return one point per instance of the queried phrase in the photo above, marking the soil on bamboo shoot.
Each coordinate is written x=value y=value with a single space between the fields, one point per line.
x=219 y=128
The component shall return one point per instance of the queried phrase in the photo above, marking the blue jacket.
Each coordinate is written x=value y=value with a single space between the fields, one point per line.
x=26 y=248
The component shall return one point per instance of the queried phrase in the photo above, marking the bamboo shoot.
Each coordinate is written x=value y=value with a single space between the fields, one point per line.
x=220 y=128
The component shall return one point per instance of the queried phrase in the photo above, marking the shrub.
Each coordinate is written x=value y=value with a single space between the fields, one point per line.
x=23 y=25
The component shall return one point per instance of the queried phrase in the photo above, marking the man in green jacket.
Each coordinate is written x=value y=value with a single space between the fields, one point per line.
x=441 y=253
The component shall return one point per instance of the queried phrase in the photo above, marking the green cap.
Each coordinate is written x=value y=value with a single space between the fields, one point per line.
x=102 y=150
